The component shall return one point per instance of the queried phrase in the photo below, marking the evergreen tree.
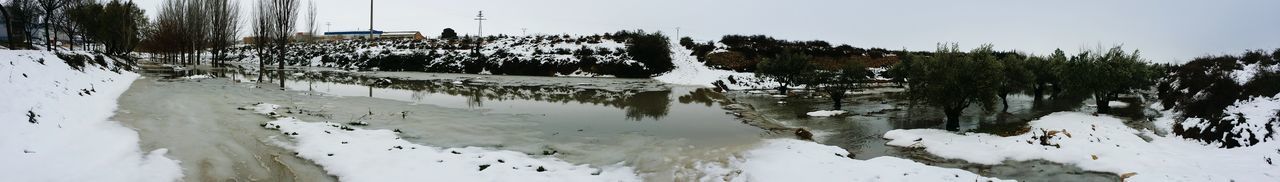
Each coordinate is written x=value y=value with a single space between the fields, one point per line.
x=448 y=33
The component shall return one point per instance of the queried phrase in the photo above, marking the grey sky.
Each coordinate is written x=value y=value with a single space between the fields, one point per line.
x=1164 y=30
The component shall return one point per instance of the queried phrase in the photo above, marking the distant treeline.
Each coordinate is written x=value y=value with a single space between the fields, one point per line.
x=743 y=52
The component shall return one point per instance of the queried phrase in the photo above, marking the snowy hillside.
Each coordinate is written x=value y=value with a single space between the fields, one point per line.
x=544 y=55
x=1228 y=101
x=55 y=122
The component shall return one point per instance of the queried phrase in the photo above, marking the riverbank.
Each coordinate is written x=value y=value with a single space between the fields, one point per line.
x=56 y=122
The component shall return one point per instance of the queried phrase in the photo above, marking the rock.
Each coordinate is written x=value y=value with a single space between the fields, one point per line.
x=804 y=134
x=1127 y=175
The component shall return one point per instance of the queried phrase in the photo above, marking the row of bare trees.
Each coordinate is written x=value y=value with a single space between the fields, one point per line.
x=185 y=29
x=114 y=24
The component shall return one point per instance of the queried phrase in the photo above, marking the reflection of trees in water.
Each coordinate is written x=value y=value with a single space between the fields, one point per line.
x=925 y=116
x=704 y=96
x=636 y=105
x=653 y=104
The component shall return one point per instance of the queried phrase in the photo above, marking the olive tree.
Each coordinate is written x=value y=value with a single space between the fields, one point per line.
x=953 y=80
x=788 y=69
x=1016 y=77
x=1106 y=75
x=835 y=82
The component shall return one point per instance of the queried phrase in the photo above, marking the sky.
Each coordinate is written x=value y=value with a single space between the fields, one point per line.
x=1163 y=30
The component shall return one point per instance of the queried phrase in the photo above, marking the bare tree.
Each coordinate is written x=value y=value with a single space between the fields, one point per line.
x=284 y=19
x=261 y=31
x=225 y=25
x=50 y=7
x=311 y=21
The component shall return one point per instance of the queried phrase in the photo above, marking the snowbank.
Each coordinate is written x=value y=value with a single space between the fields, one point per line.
x=796 y=160
x=1106 y=144
x=56 y=125
x=689 y=71
x=825 y=113
x=196 y=77
x=354 y=154
x=1117 y=104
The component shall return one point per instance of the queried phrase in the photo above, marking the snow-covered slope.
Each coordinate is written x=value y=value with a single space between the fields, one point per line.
x=54 y=124
x=1105 y=144
x=689 y=71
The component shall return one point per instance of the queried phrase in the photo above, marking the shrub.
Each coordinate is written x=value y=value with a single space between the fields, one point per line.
x=1201 y=90
x=730 y=61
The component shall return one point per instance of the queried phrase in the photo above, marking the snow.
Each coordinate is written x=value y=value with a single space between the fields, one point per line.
x=380 y=155
x=1246 y=73
x=264 y=108
x=797 y=160
x=688 y=71
x=72 y=138
x=825 y=113
x=197 y=77
x=1117 y=104
x=1105 y=144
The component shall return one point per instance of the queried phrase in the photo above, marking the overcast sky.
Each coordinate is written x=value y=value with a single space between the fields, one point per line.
x=1164 y=30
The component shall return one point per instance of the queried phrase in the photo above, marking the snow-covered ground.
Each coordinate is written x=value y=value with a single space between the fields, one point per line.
x=797 y=160
x=56 y=125
x=825 y=113
x=1106 y=144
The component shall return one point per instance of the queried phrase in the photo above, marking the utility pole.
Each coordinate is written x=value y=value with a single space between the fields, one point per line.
x=328 y=27
x=677 y=32
x=480 y=21
x=370 y=19
x=524 y=31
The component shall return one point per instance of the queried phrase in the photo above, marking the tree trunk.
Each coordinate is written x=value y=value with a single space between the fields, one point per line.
x=1005 y=98
x=1102 y=101
x=783 y=89
x=1038 y=91
x=262 y=64
x=280 y=59
x=836 y=97
x=48 y=43
x=953 y=118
